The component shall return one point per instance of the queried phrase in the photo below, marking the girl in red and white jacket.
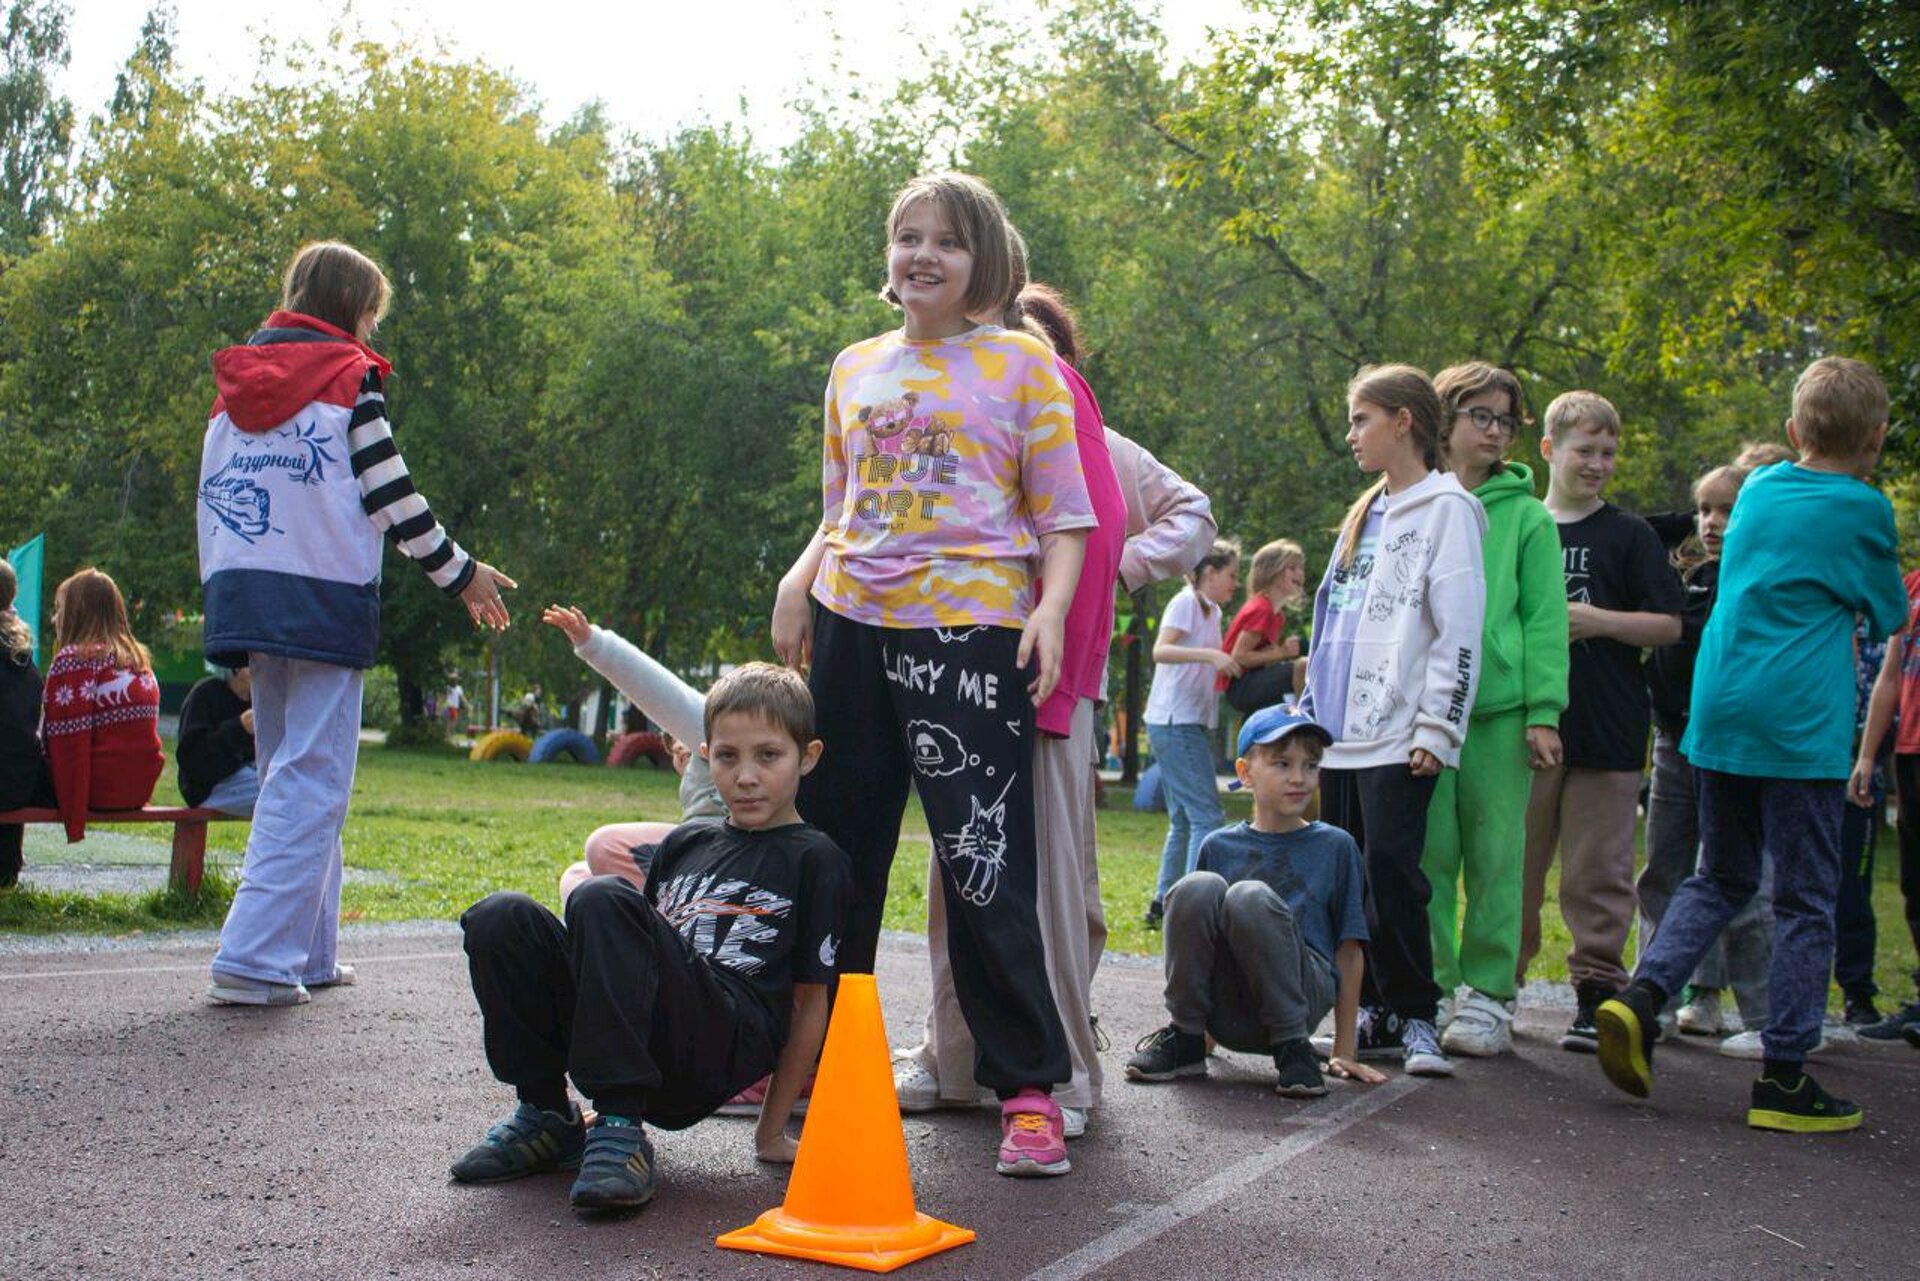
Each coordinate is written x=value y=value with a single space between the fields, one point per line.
x=100 y=713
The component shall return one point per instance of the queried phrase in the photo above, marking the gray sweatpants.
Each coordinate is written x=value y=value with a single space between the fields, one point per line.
x=1237 y=966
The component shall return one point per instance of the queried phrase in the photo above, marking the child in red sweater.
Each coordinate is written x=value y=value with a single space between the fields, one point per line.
x=101 y=709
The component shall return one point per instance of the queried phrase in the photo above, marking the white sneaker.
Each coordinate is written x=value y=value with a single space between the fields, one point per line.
x=918 y=1090
x=1701 y=1016
x=1073 y=1121
x=1746 y=1045
x=1423 y=1056
x=1481 y=1028
x=1450 y=1006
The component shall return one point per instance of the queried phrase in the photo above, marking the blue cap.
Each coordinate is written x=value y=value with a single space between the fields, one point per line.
x=1271 y=724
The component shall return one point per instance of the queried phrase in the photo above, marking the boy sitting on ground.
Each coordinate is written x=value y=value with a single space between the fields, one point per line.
x=1266 y=934
x=663 y=1003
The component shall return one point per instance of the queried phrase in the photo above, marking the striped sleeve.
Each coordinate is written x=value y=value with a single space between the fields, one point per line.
x=389 y=498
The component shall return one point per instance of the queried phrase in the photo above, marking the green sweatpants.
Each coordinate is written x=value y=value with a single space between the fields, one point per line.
x=1476 y=832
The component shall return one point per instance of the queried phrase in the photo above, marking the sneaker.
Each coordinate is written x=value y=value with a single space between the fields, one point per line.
x=1911 y=1035
x=1377 y=1034
x=1422 y=1053
x=530 y=1141
x=1860 y=1012
x=918 y=1090
x=1581 y=1036
x=1482 y=1028
x=232 y=989
x=1163 y=1055
x=1156 y=912
x=1032 y=1138
x=1891 y=1027
x=1700 y=1016
x=1449 y=1006
x=1746 y=1045
x=748 y=1101
x=1804 y=1109
x=1299 y=1071
x=344 y=975
x=616 y=1168
x=1625 y=1027
x=1073 y=1122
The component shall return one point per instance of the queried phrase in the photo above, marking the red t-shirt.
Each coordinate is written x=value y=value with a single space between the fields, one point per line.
x=1906 y=740
x=1259 y=617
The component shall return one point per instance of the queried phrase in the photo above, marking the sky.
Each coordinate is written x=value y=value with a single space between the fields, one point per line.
x=656 y=66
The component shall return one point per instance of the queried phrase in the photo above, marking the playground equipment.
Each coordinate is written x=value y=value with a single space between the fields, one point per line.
x=501 y=744
x=568 y=744
x=644 y=744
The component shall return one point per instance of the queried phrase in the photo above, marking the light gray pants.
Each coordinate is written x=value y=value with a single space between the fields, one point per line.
x=1238 y=967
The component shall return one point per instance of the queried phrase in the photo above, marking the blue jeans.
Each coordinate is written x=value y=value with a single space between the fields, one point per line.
x=1798 y=820
x=1193 y=797
x=236 y=793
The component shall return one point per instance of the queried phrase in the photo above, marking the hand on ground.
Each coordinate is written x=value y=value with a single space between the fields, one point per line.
x=1354 y=1070
x=776 y=1149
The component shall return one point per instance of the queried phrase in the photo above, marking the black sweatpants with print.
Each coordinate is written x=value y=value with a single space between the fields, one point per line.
x=615 y=998
x=948 y=711
x=1384 y=809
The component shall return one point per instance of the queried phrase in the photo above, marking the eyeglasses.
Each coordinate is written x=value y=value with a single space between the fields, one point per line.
x=1485 y=418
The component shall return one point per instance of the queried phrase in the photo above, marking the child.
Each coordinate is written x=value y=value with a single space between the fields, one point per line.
x=23 y=764
x=1855 y=930
x=1810 y=546
x=1182 y=709
x=100 y=712
x=1396 y=658
x=1265 y=936
x=1622 y=597
x=215 y=750
x=299 y=476
x=1673 y=827
x=1897 y=689
x=1475 y=826
x=1257 y=638
x=662 y=1003
x=950 y=468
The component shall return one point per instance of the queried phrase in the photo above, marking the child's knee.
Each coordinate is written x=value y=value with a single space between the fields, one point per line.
x=599 y=897
x=1196 y=891
x=498 y=919
x=1255 y=899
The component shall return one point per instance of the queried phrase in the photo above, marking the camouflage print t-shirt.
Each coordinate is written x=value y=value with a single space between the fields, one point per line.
x=944 y=462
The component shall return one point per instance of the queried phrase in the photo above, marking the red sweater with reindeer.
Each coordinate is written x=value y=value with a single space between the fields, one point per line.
x=101 y=724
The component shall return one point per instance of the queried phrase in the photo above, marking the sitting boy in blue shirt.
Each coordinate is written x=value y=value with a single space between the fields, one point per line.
x=1266 y=934
x=1810 y=546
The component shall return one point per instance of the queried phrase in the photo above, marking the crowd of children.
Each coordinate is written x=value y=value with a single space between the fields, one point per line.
x=1477 y=703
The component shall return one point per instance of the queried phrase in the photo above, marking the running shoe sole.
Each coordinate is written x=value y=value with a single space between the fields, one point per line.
x=1797 y=1123
x=1429 y=1065
x=1580 y=1044
x=268 y=994
x=1300 y=1091
x=1622 y=1048
x=1028 y=1168
x=1185 y=1069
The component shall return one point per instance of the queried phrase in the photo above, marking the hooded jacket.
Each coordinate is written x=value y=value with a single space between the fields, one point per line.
x=1525 y=638
x=1416 y=654
x=299 y=476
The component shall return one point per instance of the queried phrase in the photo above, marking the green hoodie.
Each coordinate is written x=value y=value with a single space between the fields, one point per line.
x=1525 y=638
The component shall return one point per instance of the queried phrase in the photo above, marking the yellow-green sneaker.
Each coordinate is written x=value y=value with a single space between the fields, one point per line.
x=1626 y=1026
x=1803 y=1109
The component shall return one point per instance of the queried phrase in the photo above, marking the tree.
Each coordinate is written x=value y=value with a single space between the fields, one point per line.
x=35 y=123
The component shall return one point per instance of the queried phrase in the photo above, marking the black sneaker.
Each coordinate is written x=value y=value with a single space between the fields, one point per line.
x=1860 y=1012
x=1911 y=1035
x=1890 y=1028
x=1156 y=912
x=530 y=1141
x=1299 y=1070
x=1804 y=1109
x=1626 y=1027
x=1379 y=1034
x=1163 y=1055
x=1581 y=1036
x=616 y=1170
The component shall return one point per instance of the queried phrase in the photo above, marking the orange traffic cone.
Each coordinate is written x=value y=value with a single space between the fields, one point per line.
x=850 y=1200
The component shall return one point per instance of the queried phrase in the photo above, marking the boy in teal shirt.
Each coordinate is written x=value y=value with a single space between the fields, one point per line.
x=1809 y=547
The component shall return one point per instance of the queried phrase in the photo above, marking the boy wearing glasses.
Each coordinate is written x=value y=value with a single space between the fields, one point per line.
x=1622 y=597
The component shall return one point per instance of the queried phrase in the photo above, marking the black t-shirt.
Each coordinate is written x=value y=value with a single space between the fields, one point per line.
x=1614 y=561
x=765 y=908
x=213 y=742
x=1670 y=667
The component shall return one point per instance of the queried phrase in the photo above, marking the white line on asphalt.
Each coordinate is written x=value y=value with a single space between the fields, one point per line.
x=202 y=966
x=1233 y=1180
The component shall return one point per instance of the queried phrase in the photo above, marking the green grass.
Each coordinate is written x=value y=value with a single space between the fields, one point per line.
x=443 y=831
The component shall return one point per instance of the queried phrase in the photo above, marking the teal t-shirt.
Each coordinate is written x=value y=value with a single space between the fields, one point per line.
x=1805 y=553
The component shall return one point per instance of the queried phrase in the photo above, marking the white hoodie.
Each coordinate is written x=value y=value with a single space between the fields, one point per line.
x=1415 y=656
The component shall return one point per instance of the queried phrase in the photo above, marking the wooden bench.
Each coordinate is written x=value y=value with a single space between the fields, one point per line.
x=189 y=834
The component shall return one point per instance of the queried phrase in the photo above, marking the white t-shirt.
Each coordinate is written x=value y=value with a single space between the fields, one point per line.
x=1183 y=693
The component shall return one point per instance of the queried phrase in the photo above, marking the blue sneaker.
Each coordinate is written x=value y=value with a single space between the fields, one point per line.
x=1891 y=1027
x=616 y=1170
x=531 y=1141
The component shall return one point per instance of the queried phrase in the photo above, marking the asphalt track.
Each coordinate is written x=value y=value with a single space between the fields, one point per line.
x=147 y=1135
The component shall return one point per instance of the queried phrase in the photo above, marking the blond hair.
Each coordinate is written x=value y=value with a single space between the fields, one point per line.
x=979 y=222
x=89 y=611
x=1456 y=384
x=335 y=282
x=1755 y=454
x=1837 y=404
x=1271 y=561
x=1587 y=409
x=775 y=694
x=1392 y=388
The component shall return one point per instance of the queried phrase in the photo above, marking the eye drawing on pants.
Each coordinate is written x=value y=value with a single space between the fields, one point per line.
x=937 y=750
x=977 y=853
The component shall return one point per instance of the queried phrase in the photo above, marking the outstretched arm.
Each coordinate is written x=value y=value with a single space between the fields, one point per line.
x=805 y=1036
x=1351 y=962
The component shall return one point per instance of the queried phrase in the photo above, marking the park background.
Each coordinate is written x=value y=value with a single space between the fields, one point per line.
x=610 y=344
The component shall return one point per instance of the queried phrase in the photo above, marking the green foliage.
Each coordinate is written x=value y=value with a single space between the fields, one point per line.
x=34 y=123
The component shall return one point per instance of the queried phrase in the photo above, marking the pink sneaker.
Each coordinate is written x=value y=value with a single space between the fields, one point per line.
x=748 y=1101
x=1033 y=1139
